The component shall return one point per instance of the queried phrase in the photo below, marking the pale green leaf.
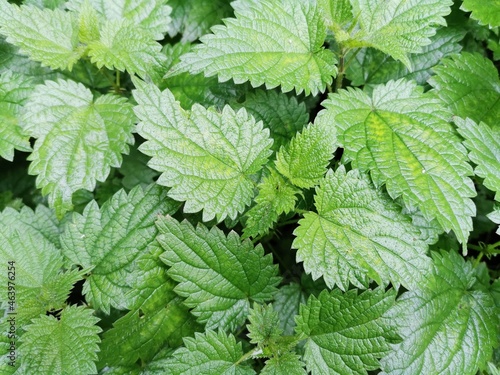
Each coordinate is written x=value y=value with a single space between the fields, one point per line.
x=194 y=18
x=48 y=36
x=275 y=197
x=483 y=142
x=208 y=354
x=286 y=364
x=448 y=325
x=151 y=15
x=404 y=138
x=346 y=333
x=469 y=85
x=125 y=46
x=305 y=159
x=371 y=66
x=111 y=238
x=88 y=21
x=287 y=302
x=67 y=345
x=359 y=234
x=429 y=230
x=396 y=27
x=337 y=14
x=14 y=91
x=40 y=283
x=487 y=12
x=50 y=4
x=157 y=318
x=264 y=325
x=282 y=114
x=78 y=138
x=218 y=275
x=206 y=156
x=271 y=43
x=196 y=88
x=495 y=217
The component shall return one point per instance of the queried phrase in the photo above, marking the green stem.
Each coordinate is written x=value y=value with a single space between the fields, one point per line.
x=475 y=247
x=246 y=356
x=341 y=73
x=478 y=260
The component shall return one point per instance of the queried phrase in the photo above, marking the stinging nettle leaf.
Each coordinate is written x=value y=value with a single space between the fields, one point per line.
x=206 y=156
x=48 y=36
x=78 y=138
x=358 y=233
x=67 y=345
x=208 y=354
x=448 y=325
x=218 y=275
x=346 y=333
x=271 y=43
x=110 y=239
x=468 y=84
x=286 y=364
x=486 y=12
x=14 y=91
x=404 y=138
x=483 y=142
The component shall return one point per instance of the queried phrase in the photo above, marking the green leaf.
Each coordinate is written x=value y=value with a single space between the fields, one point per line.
x=218 y=275
x=495 y=217
x=48 y=36
x=449 y=325
x=487 y=12
x=337 y=14
x=88 y=21
x=286 y=364
x=275 y=197
x=208 y=354
x=371 y=66
x=358 y=233
x=153 y=16
x=157 y=318
x=396 y=27
x=305 y=159
x=14 y=91
x=67 y=345
x=468 y=84
x=287 y=302
x=346 y=332
x=125 y=46
x=206 y=156
x=135 y=170
x=282 y=114
x=483 y=142
x=78 y=138
x=110 y=240
x=40 y=283
x=189 y=89
x=276 y=43
x=264 y=325
x=194 y=18
x=404 y=138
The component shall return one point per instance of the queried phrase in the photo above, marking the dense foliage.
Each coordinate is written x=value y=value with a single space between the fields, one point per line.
x=279 y=187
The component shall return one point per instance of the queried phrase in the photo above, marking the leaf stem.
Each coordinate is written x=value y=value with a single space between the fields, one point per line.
x=247 y=355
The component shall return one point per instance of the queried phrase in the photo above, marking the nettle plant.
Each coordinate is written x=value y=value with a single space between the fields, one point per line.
x=255 y=186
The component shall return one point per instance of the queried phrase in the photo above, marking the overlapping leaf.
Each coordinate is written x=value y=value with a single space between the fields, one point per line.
x=67 y=345
x=448 y=325
x=271 y=43
x=194 y=18
x=486 y=12
x=346 y=333
x=218 y=275
x=286 y=364
x=157 y=318
x=287 y=302
x=14 y=90
x=78 y=138
x=110 y=239
x=305 y=159
x=396 y=27
x=403 y=137
x=206 y=156
x=283 y=115
x=495 y=217
x=48 y=36
x=358 y=233
x=275 y=197
x=371 y=66
x=483 y=142
x=469 y=85
x=208 y=354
